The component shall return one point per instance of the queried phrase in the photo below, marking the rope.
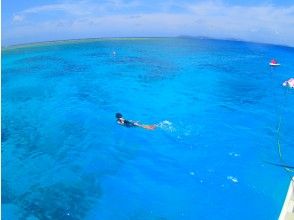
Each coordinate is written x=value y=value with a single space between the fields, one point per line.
x=278 y=165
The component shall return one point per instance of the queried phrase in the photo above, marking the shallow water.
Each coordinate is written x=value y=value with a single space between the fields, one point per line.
x=218 y=104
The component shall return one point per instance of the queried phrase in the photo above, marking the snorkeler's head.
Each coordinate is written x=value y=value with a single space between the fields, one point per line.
x=118 y=115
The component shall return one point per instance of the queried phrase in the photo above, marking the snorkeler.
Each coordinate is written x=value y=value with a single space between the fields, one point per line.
x=120 y=120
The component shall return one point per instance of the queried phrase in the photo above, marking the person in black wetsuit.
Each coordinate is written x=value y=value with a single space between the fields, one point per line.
x=121 y=121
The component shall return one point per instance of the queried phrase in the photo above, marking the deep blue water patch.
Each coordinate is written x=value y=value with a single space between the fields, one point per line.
x=218 y=104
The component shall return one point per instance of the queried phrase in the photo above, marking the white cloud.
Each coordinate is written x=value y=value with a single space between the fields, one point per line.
x=79 y=8
x=17 y=18
x=263 y=23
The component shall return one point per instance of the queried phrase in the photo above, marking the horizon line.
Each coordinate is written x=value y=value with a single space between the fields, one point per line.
x=89 y=39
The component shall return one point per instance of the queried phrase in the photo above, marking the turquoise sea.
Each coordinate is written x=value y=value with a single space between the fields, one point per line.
x=217 y=105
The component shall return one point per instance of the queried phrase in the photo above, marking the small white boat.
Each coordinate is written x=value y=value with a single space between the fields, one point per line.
x=289 y=83
x=274 y=64
x=287 y=212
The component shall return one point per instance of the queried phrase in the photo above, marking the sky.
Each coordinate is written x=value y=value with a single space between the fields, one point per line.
x=265 y=21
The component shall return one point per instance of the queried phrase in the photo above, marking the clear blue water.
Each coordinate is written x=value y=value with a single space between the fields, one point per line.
x=64 y=156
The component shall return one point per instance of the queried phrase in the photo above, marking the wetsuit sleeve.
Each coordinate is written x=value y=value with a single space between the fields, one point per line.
x=129 y=123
